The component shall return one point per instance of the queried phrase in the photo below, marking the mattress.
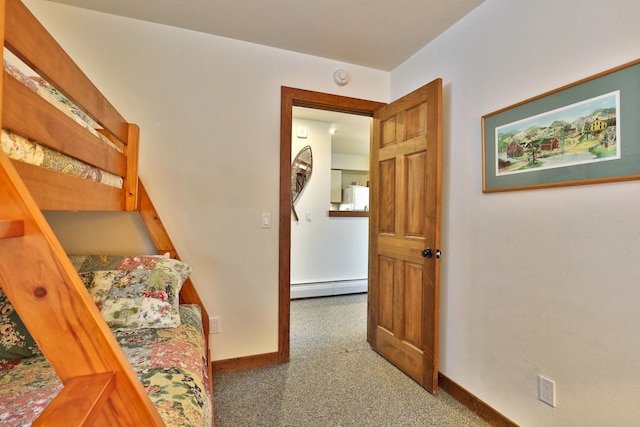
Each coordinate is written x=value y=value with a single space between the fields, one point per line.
x=170 y=363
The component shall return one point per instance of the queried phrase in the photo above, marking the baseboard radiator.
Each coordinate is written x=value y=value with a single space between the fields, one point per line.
x=322 y=289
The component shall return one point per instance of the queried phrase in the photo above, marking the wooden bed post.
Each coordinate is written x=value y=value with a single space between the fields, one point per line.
x=131 y=180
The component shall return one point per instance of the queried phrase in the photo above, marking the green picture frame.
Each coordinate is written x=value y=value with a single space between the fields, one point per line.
x=586 y=132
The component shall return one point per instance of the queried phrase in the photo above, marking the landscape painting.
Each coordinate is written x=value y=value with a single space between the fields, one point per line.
x=583 y=132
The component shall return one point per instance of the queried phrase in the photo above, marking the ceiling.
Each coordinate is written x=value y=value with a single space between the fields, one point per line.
x=352 y=131
x=379 y=34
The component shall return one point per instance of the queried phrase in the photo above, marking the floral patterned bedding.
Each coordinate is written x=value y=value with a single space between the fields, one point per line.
x=25 y=150
x=19 y=148
x=170 y=362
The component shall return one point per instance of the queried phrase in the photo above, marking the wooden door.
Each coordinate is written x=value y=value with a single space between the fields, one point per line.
x=405 y=233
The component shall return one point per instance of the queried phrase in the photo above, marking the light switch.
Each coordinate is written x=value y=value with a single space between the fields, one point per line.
x=308 y=216
x=266 y=220
x=302 y=132
x=214 y=325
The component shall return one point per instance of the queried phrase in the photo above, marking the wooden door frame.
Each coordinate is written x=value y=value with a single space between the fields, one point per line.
x=289 y=98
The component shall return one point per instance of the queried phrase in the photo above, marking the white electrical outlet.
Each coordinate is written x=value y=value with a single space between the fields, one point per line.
x=547 y=390
x=214 y=325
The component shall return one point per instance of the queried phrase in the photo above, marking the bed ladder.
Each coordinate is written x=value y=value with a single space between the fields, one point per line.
x=50 y=298
x=80 y=401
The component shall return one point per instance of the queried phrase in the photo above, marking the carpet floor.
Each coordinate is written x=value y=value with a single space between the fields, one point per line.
x=333 y=379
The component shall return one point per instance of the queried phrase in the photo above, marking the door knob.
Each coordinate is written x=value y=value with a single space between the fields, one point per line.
x=428 y=253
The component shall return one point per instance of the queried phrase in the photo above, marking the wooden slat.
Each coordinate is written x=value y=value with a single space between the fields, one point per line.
x=33 y=44
x=80 y=402
x=29 y=115
x=11 y=228
x=58 y=191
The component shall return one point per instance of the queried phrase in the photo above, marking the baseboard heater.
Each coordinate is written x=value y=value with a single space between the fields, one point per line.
x=322 y=289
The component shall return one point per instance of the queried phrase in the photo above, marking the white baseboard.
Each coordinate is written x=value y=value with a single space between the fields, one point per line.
x=323 y=289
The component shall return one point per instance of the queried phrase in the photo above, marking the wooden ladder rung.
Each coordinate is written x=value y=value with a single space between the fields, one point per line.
x=11 y=228
x=79 y=402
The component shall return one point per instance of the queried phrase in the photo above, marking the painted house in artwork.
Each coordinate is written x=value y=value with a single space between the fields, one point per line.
x=515 y=150
x=597 y=126
x=549 y=144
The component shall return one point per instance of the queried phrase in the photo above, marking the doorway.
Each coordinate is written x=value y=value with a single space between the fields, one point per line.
x=291 y=97
x=406 y=171
x=330 y=233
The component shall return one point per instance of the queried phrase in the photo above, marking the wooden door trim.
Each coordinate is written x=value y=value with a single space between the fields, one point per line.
x=289 y=98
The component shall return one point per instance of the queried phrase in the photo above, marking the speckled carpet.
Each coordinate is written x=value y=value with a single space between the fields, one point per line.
x=333 y=379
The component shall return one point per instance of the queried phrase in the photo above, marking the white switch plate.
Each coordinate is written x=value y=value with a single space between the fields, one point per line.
x=308 y=216
x=214 y=325
x=302 y=132
x=266 y=220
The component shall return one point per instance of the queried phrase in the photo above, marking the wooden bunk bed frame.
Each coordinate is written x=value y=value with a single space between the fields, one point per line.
x=100 y=387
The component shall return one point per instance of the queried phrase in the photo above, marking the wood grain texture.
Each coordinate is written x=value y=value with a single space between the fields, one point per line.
x=405 y=214
x=131 y=181
x=80 y=402
x=60 y=192
x=11 y=228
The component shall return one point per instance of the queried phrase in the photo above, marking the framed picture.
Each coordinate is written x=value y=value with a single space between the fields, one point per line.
x=583 y=133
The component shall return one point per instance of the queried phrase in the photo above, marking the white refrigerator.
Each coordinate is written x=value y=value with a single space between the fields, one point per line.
x=356 y=197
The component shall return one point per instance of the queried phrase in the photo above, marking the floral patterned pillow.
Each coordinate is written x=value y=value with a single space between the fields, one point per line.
x=134 y=292
x=15 y=340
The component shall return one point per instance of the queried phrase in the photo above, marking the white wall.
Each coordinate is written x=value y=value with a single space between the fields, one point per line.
x=350 y=162
x=324 y=249
x=208 y=108
x=209 y=113
x=101 y=232
x=539 y=281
